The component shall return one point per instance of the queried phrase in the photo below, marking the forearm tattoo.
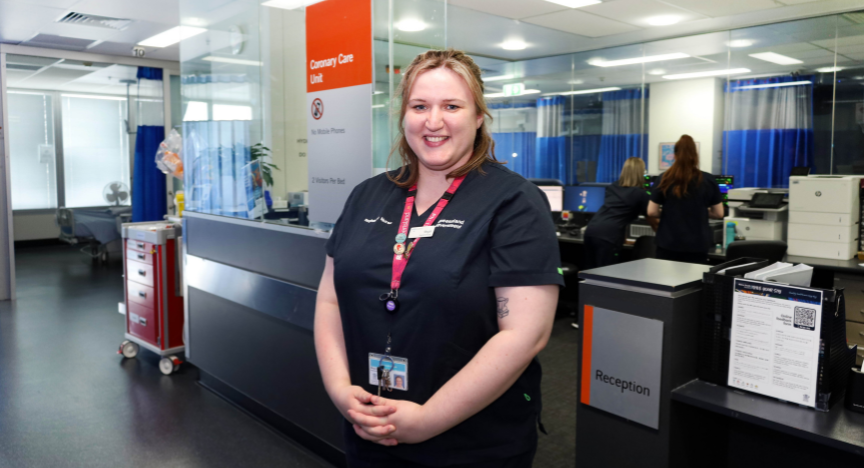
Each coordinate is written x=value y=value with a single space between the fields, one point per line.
x=503 y=311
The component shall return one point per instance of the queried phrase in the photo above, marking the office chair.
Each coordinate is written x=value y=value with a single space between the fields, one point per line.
x=644 y=248
x=769 y=250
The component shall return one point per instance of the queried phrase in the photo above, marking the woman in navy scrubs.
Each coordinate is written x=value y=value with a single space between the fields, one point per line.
x=458 y=309
x=689 y=197
x=625 y=200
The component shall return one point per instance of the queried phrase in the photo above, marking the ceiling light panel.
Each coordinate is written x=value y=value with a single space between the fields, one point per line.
x=410 y=25
x=740 y=43
x=514 y=44
x=631 y=61
x=584 y=91
x=663 y=20
x=172 y=36
x=774 y=85
x=776 y=58
x=498 y=78
x=289 y=4
x=497 y=95
x=829 y=69
x=730 y=71
x=575 y=3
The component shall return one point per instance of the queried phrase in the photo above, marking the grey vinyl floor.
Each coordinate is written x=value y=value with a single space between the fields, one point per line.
x=68 y=400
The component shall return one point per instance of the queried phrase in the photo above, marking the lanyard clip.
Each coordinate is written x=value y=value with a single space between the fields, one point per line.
x=393 y=294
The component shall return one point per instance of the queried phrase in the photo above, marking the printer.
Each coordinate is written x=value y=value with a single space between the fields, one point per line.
x=756 y=214
x=824 y=216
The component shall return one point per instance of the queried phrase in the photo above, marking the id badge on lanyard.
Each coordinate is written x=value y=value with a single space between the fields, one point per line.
x=388 y=372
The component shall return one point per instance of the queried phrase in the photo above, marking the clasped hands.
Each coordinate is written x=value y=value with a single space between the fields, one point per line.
x=381 y=420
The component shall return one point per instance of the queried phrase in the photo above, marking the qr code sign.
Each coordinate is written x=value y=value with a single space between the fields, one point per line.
x=805 y=318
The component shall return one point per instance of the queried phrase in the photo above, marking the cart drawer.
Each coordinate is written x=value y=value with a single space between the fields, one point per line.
x=142 y=322
x=139 y=272
x=143 y=257
x=138 y=293
x=140 y=246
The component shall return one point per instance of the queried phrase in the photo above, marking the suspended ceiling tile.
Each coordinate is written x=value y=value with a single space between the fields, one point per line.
x=15 y=77
x=20 y=21
x=841 y=42
x=637 y=12
x=58 y=42
x=798 y=2
x=30 y=60
x=720 y=8
x=515 y=9
x=78 y=31
x=581 y=23
x=53 y=78
x=61 y=4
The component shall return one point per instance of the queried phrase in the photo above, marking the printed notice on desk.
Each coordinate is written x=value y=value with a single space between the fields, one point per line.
x=775 y=341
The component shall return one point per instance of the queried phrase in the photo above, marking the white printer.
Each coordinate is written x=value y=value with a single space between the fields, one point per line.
x=824 y=216
x=757 y=213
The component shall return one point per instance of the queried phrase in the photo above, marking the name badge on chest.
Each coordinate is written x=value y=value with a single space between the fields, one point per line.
x=422 y=231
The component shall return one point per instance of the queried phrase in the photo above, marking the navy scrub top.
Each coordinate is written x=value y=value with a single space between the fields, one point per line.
x=684 y=221
x=497 y=231
x=621 y=206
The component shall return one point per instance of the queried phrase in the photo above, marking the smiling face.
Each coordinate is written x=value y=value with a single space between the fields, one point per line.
x=441 y=120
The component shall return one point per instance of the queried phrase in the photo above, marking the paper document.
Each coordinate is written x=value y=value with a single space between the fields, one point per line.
x=758 y=273
x=723 y=272
x=775 y=340
x=799 y=275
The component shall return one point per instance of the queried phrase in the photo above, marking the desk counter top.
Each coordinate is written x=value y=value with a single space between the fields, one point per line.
x=838 y=428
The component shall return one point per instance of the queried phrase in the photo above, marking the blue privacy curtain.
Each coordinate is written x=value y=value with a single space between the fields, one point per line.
x=768 y=130
x=148 y=182
x=624 y=135
x=513 y=128
x=551 y=157
x=584 y=146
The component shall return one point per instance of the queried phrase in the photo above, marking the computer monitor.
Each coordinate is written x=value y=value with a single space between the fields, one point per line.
x=555 y=195
x=584 y=198
x=726 y=183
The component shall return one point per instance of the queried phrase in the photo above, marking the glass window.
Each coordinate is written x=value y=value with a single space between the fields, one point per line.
x=31 y=144
x=95 y=147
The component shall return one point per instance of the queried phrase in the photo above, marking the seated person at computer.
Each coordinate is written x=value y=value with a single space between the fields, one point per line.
x=625 y=200
x=689 y=197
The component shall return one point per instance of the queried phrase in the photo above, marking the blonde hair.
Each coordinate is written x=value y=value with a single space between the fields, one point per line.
x=464 y=66
x=632 y=173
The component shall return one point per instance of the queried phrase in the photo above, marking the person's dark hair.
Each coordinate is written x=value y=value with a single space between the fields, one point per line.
x=684 y=171
x=464 y=66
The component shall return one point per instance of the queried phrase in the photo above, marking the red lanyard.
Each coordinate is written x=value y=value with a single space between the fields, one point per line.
x=401 y=254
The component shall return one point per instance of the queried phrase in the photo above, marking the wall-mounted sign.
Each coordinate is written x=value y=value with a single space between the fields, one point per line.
x=667 y=154
x=514 y=89
x=339 y=98
x=621 y=370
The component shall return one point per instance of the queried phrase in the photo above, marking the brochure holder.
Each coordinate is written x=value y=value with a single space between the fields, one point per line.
x=855 y=391
x=835 y=359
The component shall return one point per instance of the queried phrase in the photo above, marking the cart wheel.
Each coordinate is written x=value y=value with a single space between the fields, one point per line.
x=166 y=365
x=129 y=349
x=176 y=361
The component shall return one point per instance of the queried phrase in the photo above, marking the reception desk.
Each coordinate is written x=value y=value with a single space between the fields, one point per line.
x=250 y=304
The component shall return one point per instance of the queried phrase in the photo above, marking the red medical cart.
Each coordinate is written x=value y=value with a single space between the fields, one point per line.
x=152 y=264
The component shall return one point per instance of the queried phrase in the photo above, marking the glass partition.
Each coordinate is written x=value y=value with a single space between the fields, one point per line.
x=758 y=101
x=72 y=130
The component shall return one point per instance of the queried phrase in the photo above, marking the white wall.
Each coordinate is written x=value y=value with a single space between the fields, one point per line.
x=692 y=107
x=34 y=226
x=286 y=86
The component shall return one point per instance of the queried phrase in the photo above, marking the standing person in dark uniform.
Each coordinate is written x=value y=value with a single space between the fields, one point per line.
x=445 y=274
x=689 y=197
x=625 y=200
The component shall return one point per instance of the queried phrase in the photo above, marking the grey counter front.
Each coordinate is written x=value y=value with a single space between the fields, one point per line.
x=640 y=324
x=250 y=305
